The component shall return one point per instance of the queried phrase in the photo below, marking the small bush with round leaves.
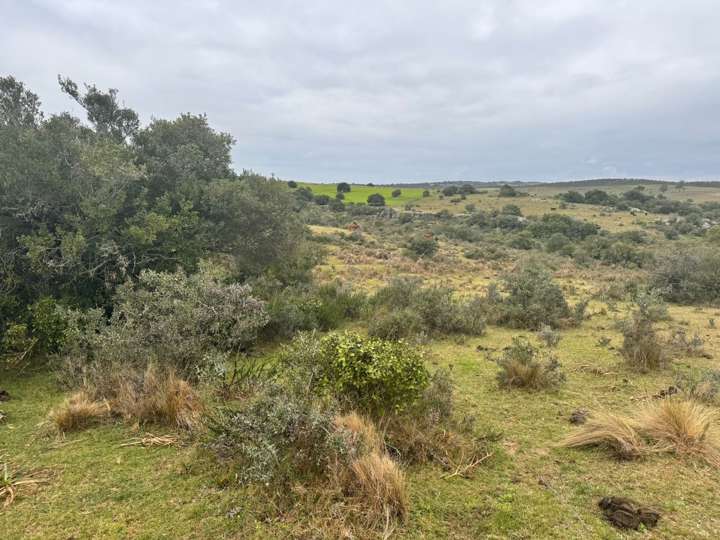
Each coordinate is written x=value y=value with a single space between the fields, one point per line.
x=372 y=374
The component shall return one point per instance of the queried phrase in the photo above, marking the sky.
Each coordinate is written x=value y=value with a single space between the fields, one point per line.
x=394 y=91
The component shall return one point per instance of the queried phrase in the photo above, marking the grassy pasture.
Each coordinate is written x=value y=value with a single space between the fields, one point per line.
x=360 y=193
x=529 y=489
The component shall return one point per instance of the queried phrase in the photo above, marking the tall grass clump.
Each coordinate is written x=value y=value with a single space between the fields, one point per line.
x=524 y=366
x=678 y=426
x=615 y=432
x=78 y=412
x=683 y=427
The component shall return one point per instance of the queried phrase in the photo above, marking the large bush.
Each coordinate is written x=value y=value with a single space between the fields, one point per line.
x=689 y=276
x=533 y=299
x=173 y=320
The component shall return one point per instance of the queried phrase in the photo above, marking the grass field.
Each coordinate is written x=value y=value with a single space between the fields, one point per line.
x=360 y=193
x=98 y=488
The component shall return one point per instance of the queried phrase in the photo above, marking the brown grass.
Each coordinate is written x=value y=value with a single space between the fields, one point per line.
x=518 y=374
x=10 y=484
x=361 y=434
x=161 y=397
x=677 y=426
x=78 y=411
x=378 y=481
x=608 y=430
x=682 y=427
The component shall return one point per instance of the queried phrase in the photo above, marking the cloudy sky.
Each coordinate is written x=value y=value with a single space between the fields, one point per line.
x=402 y=90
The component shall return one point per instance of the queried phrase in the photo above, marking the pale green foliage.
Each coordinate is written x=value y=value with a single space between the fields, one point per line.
x=533 y=299
x=170 y=319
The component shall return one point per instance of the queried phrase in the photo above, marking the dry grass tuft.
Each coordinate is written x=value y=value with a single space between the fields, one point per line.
x=380 y=483
x=616 y=432
x=682 y=427
x=152 y=440
x=78 y=412
x=361 y=434
x=9 y=485
x=160 y=397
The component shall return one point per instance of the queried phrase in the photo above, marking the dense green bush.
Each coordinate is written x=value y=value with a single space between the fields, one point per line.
x=374 y=375
x=533 y=299
x=308 y=307
x=48 y=325
x=420 y=246
x=376 y=200
x=394 y=324
x=689 y=276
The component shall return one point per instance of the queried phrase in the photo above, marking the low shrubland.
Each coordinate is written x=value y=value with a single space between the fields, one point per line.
x=689 y=276
x=406 y=308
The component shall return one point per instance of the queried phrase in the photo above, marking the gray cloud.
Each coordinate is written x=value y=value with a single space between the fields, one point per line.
x=402 y=90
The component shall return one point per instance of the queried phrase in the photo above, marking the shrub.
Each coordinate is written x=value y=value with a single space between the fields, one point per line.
x=165 y=319
x=641 y=347
x=292 y=184
x=307 y=307
x=373 y=375
x=548 y=336
x=48 y=325
x=376 y=200
x=276 y=436
x=420 y=247
x=701 y=385
x=343 y=187
x=428 y=310
x=693 y=346
x=533 y=299
x=396 y=193
x=395 y=324
x=507 y=191
x=426 y=193
x=689 y=276
x=77 y=412
x=522 y=366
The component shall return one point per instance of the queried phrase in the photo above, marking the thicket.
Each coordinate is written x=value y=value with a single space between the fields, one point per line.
x=86 y=207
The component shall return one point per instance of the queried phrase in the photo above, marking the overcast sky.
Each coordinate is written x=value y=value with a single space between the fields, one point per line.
x=402 y=90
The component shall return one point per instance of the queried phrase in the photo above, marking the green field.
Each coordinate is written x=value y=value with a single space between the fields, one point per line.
x=360 y=193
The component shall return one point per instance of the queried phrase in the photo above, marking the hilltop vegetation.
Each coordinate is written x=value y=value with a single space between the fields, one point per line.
x=193 y=352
